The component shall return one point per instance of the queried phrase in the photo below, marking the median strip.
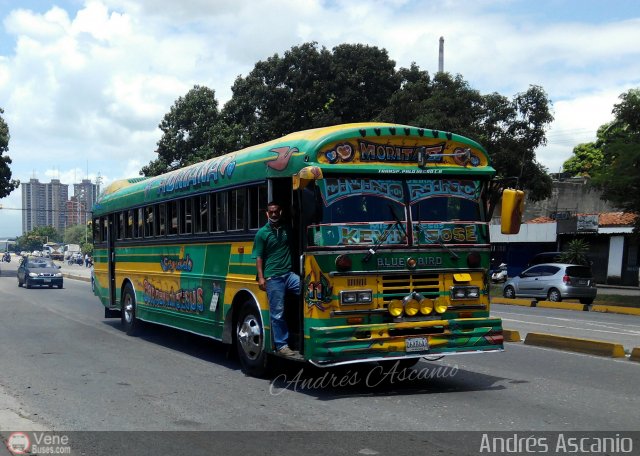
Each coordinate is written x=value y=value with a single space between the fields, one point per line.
x=635 y=354
x=511 y=336
x=513 y=302
x=589 y=346
x=616 y=309
x=562 y=305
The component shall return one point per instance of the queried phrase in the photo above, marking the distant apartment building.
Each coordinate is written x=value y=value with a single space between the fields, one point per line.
x=85 y=193
x=44 y=204
x=76 y=212
x=50 y=205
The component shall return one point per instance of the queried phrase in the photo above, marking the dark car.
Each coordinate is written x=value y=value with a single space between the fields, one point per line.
x=39 y=271
x=554 y=282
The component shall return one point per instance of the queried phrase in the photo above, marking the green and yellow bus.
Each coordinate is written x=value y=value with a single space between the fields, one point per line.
x=391 y=241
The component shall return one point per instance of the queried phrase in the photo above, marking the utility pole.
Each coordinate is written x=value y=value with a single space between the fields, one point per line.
x=441 y=56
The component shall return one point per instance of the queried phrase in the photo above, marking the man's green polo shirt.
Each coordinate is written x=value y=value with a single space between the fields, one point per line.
x=272 y=245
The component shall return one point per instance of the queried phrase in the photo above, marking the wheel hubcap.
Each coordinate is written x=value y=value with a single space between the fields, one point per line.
x=250 y=337
x=128 y=309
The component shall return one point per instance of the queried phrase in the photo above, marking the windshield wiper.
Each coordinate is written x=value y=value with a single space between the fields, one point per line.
x=452 y=254
x=397 y=224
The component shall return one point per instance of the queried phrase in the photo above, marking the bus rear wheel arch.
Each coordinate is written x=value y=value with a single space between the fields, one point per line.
x=250 y=340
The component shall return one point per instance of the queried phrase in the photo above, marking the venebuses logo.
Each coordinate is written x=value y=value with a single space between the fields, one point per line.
x=18 y=443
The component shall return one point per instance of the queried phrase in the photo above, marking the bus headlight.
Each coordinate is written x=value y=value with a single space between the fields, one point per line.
x=465 y=292
x=396 y=307
x=411 y=305
x=356 y=297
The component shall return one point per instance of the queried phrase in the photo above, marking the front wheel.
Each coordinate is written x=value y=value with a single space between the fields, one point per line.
x=130 y=323
x=509 y=292
x=250 y=341
x=554 y=295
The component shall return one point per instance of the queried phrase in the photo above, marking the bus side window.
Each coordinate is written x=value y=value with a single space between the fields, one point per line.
x=172 y=218
x=129 y=231
x=201 y=209
x=149 y=219
x=120 y=226
x=186 y=216
x=139 y=222
x=218 y=203
x=236 y=212
x=161 y=219
x=257 y=204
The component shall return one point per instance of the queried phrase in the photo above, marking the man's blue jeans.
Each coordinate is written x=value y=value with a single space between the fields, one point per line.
x=277 y=287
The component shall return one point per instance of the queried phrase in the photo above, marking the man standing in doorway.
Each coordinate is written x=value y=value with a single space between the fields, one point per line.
x=272 y=251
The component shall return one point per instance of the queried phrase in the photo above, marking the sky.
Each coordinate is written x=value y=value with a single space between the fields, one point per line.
x=85 y=83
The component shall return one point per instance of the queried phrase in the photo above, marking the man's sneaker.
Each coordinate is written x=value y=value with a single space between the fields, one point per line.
x=286 y=351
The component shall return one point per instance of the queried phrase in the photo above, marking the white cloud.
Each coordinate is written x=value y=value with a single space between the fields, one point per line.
x=91 y=83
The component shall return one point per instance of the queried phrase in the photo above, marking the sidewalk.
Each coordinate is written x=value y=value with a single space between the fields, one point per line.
x=75 y=271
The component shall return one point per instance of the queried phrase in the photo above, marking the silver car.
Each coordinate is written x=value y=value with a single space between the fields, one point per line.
x=553 y=282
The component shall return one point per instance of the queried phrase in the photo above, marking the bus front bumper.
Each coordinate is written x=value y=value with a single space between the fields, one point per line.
x=337 y=345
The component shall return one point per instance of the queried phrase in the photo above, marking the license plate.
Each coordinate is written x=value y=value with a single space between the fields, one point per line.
x=47 y=280
x=583 y=282
x=417 y=344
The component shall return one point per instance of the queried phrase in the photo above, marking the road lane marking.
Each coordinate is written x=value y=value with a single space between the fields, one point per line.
x=632 y=333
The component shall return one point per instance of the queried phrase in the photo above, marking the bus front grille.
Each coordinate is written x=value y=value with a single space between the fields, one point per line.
x=399 y=286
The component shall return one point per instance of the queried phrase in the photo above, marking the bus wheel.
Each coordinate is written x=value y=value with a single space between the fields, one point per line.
x=250 y=341
x=129 y=321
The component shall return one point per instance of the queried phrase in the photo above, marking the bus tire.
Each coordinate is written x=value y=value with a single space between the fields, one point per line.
x=250 y=341
x=130 y=322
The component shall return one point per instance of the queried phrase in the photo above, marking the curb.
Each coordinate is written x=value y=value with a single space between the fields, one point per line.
x=635 y=354
x=76 y=277
x=510 y=336
x=589 y=346
x=562 y=305
x=616 y=309
x=513 y=302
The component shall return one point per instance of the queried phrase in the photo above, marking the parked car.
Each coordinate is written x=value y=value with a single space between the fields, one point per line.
x=554 y=282
x=544 y=257
x=39 y=271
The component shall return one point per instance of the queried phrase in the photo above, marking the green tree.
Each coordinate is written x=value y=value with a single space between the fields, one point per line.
x=587 y=158
x=87 y=247
x=7 y=185
x=310 y=87
x=619 y=177
x=511 y=130
x=192 y=132
x=576 y=252
x=76 y=234
x=34 y=239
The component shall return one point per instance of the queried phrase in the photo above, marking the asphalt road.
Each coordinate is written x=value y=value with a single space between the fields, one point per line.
x=65 y=368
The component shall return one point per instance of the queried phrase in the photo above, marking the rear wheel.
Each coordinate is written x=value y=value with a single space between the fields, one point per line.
x=130 y=323
x=554 y=295
x=250 y=341
x=509 y=292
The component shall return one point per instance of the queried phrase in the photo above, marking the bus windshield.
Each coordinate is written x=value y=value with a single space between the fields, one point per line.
x=361 y=211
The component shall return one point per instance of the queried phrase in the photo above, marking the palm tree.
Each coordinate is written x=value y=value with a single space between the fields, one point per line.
x=576 y=253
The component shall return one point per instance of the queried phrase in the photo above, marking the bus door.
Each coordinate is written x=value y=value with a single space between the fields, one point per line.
x=111 y=256
x=280 y=190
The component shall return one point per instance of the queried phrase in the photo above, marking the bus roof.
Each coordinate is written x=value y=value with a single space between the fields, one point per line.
x=367 y=148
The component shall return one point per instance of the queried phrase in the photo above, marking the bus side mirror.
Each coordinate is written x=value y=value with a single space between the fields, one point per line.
x=512 y=210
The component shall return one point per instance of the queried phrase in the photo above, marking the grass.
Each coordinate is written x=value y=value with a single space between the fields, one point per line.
x=602 y=298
